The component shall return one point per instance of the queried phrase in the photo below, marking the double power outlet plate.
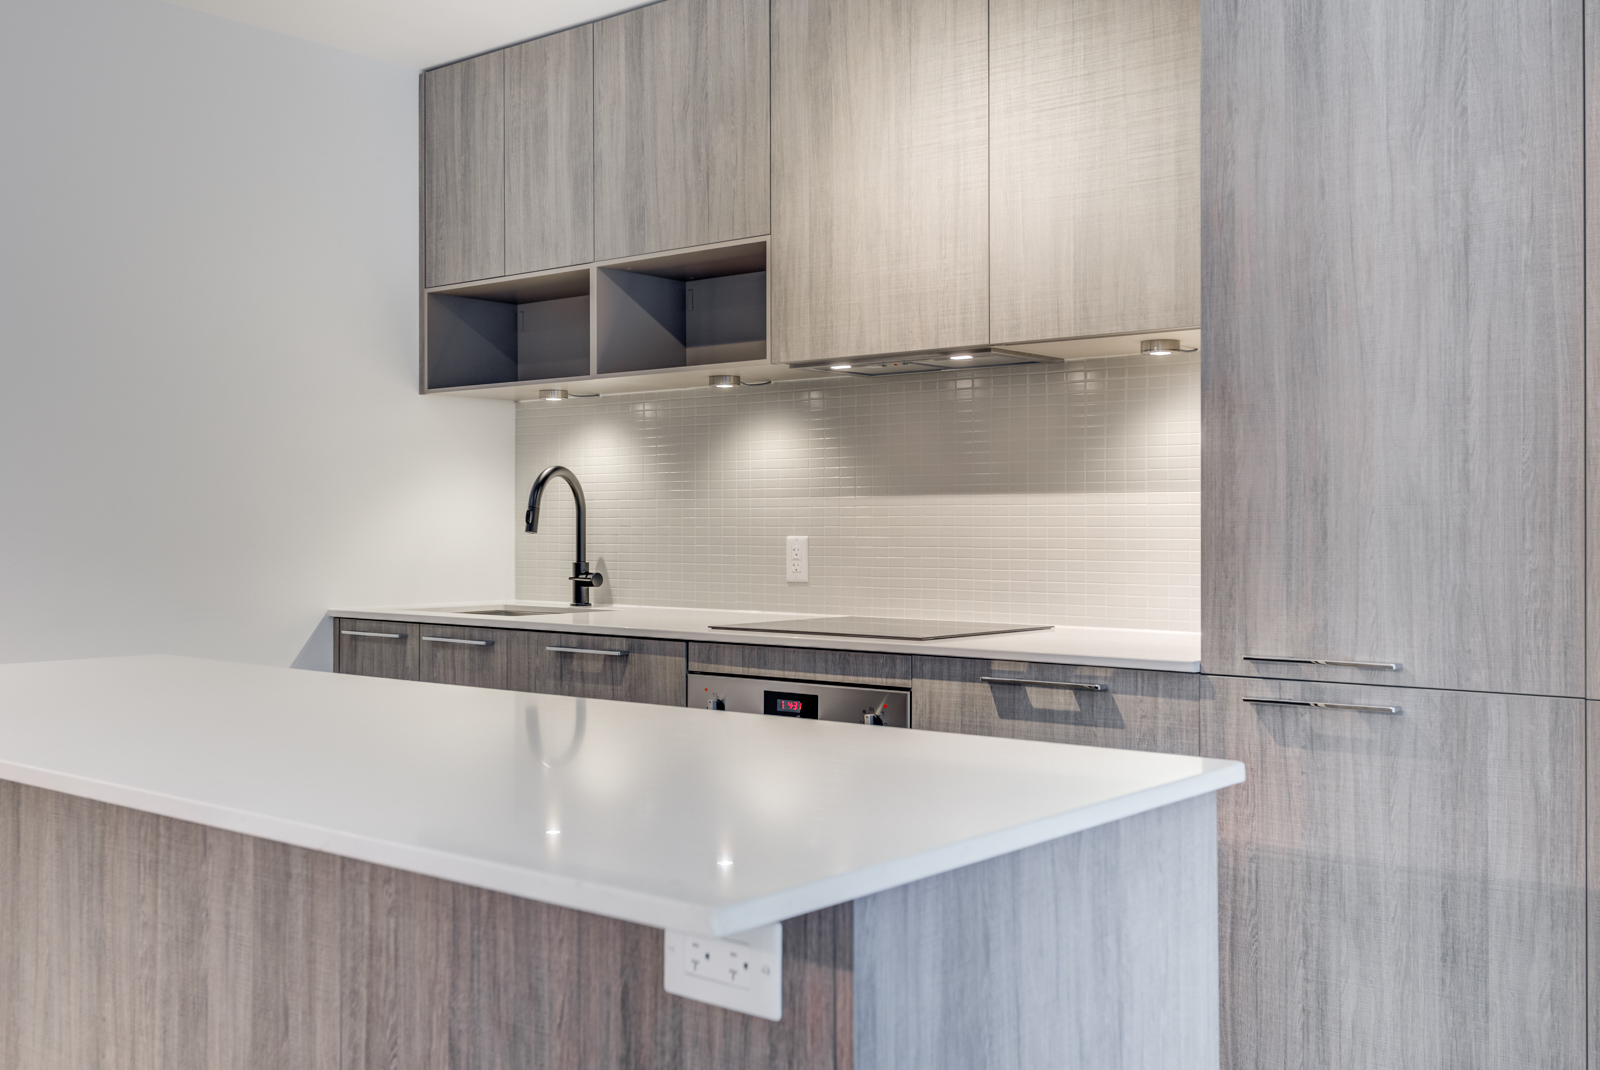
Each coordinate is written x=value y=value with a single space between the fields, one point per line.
x=742 y=972
x=796 y=559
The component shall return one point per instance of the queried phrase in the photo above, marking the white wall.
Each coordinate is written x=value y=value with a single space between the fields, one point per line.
x=1052 y=493
x=209 y=425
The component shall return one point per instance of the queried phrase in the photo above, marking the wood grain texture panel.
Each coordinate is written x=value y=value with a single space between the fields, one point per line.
x=463 y=170
x=371 y=655
x=134 y=941
x=1098 y=950
x=463 y=662
x=1592 y=896
x=444 y=975
x=797 y=663
x=1400 y=890
x=1591 y=25
x=649 y=670
x=1094 y=174
x=682 y=126
x=549 y=146
x=1138 y=710
x=880 y=189
x=1393 y=306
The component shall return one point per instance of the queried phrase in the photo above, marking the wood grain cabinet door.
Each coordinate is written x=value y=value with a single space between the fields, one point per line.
x=1098 y=707
x=549 y=147
x=880 y=177
x=475 y=657
x=1394 y=342
x=682 y=126
x=463 y=171
x=598 y=666
x=1094 y=112
x=377 y=648
x=1399 y=889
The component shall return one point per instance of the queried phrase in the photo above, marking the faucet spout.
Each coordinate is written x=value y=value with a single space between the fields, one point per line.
x=582 y=579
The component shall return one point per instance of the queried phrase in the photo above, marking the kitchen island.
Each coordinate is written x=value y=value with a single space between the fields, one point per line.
x=208 y=864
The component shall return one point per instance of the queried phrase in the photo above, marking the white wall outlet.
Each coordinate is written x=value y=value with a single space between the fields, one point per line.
x=742 y=972
x=797 y=559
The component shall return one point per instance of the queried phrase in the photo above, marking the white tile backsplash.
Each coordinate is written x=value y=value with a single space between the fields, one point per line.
x=1065 y=493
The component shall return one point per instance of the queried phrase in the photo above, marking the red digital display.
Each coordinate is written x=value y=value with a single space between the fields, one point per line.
x=790 y=705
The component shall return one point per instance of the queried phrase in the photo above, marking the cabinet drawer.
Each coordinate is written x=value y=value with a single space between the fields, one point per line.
x=475 y=657
x=1126 y=708
x=376 y=648
x=841 y=666
x=598 y=666
x=1419 y=872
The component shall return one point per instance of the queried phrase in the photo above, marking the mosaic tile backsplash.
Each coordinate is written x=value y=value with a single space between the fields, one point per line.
x=1055 y=493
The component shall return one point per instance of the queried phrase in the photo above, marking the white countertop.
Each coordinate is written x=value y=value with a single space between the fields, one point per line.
x=1064 y=644
x=463 y=783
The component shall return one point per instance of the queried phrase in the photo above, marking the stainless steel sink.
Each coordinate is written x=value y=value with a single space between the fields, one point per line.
x=518 y=611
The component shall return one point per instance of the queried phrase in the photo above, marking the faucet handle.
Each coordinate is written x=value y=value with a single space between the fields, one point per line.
x=585 y=578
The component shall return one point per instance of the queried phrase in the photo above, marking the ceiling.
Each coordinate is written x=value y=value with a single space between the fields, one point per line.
x=414 y=33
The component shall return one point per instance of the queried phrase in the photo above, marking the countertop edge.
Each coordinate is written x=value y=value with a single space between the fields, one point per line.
x=636 y=907
x=848 y=887
x=942 y=648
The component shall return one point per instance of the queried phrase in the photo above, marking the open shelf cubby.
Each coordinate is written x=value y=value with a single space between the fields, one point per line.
x=622 y=318
x=682 y=310
x=508 y=331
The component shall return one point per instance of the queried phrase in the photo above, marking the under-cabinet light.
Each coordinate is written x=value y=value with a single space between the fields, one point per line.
x=1163 y=347
x=727 y=382
x=961 y=356
x=838 y=367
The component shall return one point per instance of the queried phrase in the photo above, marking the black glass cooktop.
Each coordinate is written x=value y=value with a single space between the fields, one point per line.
x=880 y=628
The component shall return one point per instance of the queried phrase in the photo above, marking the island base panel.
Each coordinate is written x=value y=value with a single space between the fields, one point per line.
x=129 y=940
x=1094 y=951
x=132 y=940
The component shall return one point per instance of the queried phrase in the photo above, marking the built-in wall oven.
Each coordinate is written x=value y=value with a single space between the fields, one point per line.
x=815 y=700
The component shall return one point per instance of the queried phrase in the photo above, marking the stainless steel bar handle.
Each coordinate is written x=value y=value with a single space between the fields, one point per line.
x=1323 y=705
x=459 y=642
x=374 y=635
x=586 y=650
x=1039 y=683
x=1388 y=666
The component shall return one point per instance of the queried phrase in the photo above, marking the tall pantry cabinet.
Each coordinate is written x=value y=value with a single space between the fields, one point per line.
x=1393 y=496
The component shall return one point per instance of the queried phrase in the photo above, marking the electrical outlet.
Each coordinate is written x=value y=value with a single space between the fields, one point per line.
x=743 y=972
x=797 y=559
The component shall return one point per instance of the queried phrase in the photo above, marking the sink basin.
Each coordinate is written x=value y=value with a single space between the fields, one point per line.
x=520 y=611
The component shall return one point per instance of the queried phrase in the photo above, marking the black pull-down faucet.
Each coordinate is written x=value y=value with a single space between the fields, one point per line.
x=582 y=579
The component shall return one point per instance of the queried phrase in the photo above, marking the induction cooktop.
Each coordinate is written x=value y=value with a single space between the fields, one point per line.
x=880 y=628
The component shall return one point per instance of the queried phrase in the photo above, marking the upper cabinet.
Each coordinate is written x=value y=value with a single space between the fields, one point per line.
x=921 y=175
x=880 y=177
x=682 y=126
x=1094 y=177
x=549 y=152
x=1394 y=368
x=463 y=170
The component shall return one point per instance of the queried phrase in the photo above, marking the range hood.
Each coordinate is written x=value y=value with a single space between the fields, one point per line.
x=955 y=360
x=1052 y=351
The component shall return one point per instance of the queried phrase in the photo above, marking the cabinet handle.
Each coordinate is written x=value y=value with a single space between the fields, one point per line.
x=460 y=642
x=1322 y=705
x=375 y=635
x=1039 y=683
x=1388 y=666
x=586 y=650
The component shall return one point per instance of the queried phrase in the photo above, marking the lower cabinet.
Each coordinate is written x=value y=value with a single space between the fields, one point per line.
x=1402 y=877
x=1130 y=709
x=376 y=648
x=474 y=657
x=597 y=666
